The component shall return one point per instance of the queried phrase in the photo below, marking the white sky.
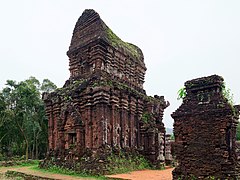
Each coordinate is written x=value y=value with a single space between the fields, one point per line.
x=180 y=39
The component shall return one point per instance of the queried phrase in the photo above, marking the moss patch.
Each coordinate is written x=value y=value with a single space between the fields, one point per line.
x=116 y=42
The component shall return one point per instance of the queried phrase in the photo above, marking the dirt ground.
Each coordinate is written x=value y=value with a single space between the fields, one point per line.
x=136 y=175
x=146 y=174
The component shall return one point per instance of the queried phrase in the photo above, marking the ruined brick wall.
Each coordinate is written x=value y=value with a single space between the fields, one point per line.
x=205 y=132
x=103 y=103
x=168 y=150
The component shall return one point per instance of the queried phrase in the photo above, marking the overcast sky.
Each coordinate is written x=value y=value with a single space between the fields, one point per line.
x=180 y=39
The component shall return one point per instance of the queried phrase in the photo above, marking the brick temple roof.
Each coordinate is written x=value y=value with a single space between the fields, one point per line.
x=90 y=27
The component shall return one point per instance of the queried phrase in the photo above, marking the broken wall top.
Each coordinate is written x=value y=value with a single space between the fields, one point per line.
x=205 y=94
x=203 y=83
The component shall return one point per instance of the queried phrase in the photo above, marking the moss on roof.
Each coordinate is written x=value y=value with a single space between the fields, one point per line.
x=116 y=42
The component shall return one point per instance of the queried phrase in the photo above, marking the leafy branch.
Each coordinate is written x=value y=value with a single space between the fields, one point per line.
x=182 y=93
x=227 y=94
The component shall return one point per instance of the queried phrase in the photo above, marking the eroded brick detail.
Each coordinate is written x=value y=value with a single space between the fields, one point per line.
x=103 y=104
x=205 y=132
x=168 y=150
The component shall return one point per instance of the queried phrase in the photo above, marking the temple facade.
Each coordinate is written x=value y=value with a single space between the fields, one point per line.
x=103 y=103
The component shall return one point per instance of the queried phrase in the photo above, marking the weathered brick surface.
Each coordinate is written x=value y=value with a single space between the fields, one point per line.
x=168 y=150
x=205 y=132
x=103 y=103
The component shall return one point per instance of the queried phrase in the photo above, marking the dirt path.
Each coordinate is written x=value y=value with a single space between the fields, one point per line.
x=146 y=174
x=28 y=170
x=136 y=175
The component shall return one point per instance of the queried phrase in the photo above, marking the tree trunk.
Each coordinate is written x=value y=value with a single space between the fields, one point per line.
x=36 y=154
x=33 y=149
x=25 y=139
x=33 y=146
x=36 y=148
x=26 y=152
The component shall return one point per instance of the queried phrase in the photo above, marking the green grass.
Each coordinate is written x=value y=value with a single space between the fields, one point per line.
x=28 y=163
x=34 y=165
x=19 y=163
x=115 y=163
x=123 y=163
x=58 y=170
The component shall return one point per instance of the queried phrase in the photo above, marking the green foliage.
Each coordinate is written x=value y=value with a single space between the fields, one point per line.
x=105 y=162
x=28 y=163
x=115 y=41
x=172 y=137
x=227 y=94
x=23 y=123
x=122 y=163
x=229 y=97
x=48 y=86
x=182 y=93
x=146 y=117
x=18 y=163
x=13 y=175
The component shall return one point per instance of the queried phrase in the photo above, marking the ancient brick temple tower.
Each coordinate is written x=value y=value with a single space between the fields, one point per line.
x=103 y=103
x=205 y=132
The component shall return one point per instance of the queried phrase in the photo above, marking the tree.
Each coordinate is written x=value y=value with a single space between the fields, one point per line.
x=23 y=122
x=2 y=116
x=48 y=86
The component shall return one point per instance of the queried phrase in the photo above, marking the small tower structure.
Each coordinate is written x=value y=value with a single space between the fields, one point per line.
x=205 y=132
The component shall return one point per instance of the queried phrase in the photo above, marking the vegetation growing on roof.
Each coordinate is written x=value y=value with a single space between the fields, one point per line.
x=227 y=94
x=115 y=41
